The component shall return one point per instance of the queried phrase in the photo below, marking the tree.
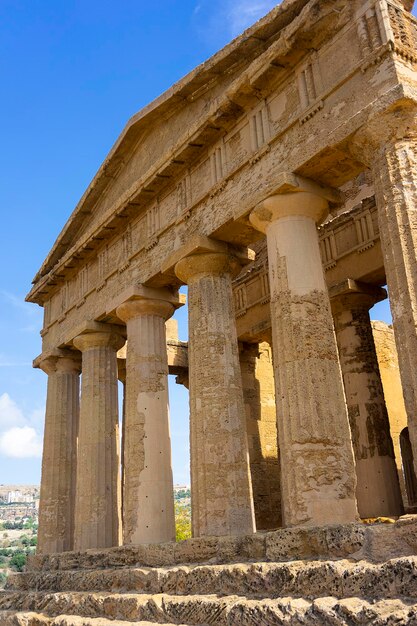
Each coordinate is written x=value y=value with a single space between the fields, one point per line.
x=18 y=561
x=182 y=522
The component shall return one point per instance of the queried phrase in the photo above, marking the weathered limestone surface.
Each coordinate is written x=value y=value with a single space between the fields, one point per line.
x=261 y=425
x=395 y=172
x=148 y=504
x=220 y=475
x=378 y=492
x=389 y=147
x=229 y=611
x=317 y=466
x=351 y=578
x=59 y=461
x=371 y=542
x=98 y=489
x=391 y=381
x=290 y=113
x=157 y=186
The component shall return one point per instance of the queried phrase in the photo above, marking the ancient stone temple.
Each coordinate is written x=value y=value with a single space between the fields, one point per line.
x=278 y=182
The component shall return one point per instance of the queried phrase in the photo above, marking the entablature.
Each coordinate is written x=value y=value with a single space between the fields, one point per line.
x=212 y=195
x=244 y=95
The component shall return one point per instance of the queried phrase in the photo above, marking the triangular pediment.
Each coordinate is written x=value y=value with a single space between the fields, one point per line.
x=156 y=131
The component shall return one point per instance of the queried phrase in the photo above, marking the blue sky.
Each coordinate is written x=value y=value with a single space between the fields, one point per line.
x=72 y=73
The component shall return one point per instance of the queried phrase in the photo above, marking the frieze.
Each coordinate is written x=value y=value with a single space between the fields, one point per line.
x=259 y=127
x=148 y=226
x=217 y=165
x=310 y=88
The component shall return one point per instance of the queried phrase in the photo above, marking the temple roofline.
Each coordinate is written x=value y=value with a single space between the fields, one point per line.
x=184 y=90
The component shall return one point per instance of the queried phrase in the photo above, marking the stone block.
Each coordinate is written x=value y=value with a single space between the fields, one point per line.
x=196 y=550
x=296 y=543
x=344 y=540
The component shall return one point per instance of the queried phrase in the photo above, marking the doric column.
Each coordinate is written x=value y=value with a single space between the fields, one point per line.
x=378 y=490
x=388 y=145
x=317 y=466
x=121 y=375
x=148 y=501
x=389 y=370
x=220 y=476
x=261 y=425
x=98 y=493
x=56 y=512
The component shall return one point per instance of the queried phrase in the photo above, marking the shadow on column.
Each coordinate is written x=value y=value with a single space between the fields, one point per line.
x=408 y=468
x=259 y=398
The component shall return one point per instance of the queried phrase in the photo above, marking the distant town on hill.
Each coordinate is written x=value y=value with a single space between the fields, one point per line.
x=19 y=514
x=19 y=507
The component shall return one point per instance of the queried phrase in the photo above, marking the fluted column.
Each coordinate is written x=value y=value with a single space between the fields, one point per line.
x=148 y=500
x=121 y=375
x=220 y=475
x=261 y=424
x=317 y=466
x=56 y=513
x=98 y=494
x=387 y=144
x=378 y=490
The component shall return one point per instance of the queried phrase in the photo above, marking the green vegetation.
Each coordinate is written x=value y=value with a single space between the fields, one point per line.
x=182 y=521
x=182 y=493
x=182 y=500
x=19 y=524
x=17 y=541
x=18 y=561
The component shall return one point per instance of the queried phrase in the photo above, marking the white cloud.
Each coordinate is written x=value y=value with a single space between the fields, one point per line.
x=20 y=443
x=10 y=414
x=244 y=13
x=220 y=20
x=20 y=434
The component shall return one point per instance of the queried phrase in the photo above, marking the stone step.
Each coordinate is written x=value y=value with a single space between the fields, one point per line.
x=204 y=610
x=309 y=579
x=37 y=619
x=375 y=542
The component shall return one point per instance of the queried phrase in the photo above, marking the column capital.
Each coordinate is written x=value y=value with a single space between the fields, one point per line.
x=66 y=361
x=351 y=294
x=99 y=339
x=135 y=307
x=295 y=196
x=199 y=245
x=210 y=263
x=183 y=378
x=141 y=300
x=383 y=131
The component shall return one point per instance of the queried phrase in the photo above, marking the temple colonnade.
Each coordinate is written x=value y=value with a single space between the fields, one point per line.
x=322 y=402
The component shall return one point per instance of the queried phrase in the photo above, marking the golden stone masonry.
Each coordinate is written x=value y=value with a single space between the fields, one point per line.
x=278 y=181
